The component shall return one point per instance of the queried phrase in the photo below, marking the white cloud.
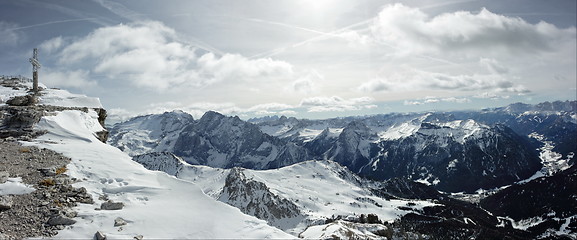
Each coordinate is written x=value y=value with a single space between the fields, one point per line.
x=493 y=66
x=417 y=80
x=149 y=55
x=307 y=83
x=234 y=67
x=376 y=85
x=412 y=30
x=430 y=100
x=73 y=79
x=8 y=35
x=336 y=104
x=51 y=45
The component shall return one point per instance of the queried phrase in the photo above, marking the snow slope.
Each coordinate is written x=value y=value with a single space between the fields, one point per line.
x=320 y=189
x=156 y=205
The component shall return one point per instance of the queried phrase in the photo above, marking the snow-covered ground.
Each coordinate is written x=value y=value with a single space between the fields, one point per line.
x=14 y=186
x=552 y=161
x=321 y=189
x=157 y=206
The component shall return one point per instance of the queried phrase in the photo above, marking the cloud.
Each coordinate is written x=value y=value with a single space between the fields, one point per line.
x=149 y=55
x=306 y=83
x=493 y=66
x=414 y=31
x=51 y=45
x=73 y=79
x=336 y=104
x=432 y=100
x=9 y=36
x=234 y=67
x=417 y=80
x=376 y=85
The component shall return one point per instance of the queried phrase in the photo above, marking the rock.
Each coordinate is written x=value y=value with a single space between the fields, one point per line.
x=99 y=236
x=139 y=237
x=4 y=176
x=60 y=220
x=48 y=172
x=70 y=213
x=102 y=136
x=119 y=222
x=110 y=205
x=22 y=100
x=6 y=202
x=6 y=237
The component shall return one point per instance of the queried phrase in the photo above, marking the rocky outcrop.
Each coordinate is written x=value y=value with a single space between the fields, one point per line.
x=27 y=100
x=254 y=198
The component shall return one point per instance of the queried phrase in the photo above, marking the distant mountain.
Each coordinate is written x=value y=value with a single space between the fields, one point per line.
x=453 y=151
x=219 y=141
x=150 y=133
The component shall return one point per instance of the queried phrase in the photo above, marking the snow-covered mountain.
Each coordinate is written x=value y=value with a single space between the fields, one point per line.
x=290 y=198
x=489 y=148
x=213 y=140
x=150 y=133
x=322 y=199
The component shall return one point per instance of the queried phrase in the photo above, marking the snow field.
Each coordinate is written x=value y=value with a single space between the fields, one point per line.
x=156 y=205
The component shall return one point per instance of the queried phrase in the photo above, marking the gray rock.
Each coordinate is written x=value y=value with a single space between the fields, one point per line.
x=60 y=220
x=119 y=222
x=139 y=237
x=6 y=202
x=48 y=172
x=110 y=205
x=4 y=176
x=22 y=100
x=99 y=236
x=6 y=237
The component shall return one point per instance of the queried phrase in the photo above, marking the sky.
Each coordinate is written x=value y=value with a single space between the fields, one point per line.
x=302 y=58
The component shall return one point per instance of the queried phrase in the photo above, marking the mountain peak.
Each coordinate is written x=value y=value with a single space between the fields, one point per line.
x=211 y=116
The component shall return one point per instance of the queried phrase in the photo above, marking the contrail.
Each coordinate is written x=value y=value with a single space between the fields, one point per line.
x=322 y=36
x=124 y=12
x=53 y=22
x=72 y=12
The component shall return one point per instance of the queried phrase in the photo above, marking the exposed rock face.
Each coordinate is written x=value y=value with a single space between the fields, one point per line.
x=160 y=161
x=226 y=142
x=254 y=198
x=150 y=133
x=494 y=157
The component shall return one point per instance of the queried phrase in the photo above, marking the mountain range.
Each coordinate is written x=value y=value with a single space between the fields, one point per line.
x=460 y=151
x=490 y=174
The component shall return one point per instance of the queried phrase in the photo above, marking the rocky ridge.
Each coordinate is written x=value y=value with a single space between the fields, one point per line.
x=48 y=208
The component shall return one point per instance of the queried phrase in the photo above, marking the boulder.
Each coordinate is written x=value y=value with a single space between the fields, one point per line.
x=60 y=220
x=4 y=176
x=119 y=222
x=110 y=205
x=27 y=100
x=99 y=236
x=6 y=202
